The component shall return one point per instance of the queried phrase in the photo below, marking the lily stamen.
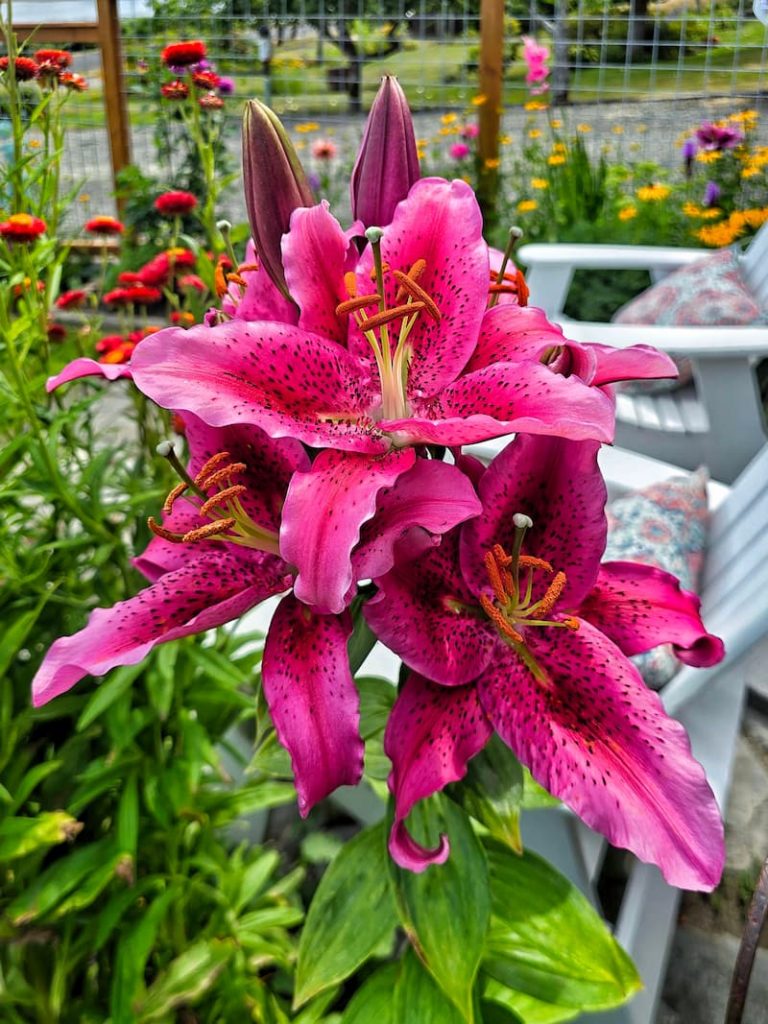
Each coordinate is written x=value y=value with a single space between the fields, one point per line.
x=387 y=315
x=222 y=475
x=221 y=498
x=409 y=286
x=173 y=496
x=208 y=530
x=353 y=304
x=209 y=466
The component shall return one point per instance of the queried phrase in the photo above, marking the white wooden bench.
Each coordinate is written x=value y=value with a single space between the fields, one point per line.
x=718 y=420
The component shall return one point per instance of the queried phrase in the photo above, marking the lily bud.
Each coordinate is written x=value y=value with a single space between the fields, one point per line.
x=387 y=164
x=275 y=185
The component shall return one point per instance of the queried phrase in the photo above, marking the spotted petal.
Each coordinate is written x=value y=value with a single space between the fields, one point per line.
x=640 y=607
x=274 y=376
x=426 y=614
x=595 y=736
x=431 y=734
x=559 y=485
x=322 y=516
x=312 y=699
x=507 y=398
x=209 y=590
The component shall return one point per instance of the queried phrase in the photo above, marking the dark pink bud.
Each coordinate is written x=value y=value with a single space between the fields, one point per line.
x=275 y=185
x=387 y=164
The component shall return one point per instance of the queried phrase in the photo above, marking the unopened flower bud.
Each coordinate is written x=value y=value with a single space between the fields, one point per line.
x=387 y=164
x=275 y=185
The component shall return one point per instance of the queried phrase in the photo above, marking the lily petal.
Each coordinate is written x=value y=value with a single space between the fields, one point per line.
x=507 y=398
x=322 y=516
x=261 y=299
x=315 y=258
x=426 y=614
x=313 y=700
x=206 y=592
x=432 y=495
x=275 y=376
x=636 y=362
x=640 y=606
x=88 y=368
x=559 y=485
x=432 y=733
x=595 y=736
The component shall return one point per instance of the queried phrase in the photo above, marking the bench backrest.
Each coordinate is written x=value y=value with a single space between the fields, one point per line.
x=754 y=266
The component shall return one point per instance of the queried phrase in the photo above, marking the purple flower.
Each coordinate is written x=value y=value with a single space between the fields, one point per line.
x=712 y=193
x=718 y=137
x=690 y=147
x=226 y=85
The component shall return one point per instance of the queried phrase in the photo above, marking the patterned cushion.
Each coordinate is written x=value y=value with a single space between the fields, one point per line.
x=706 y=293
x=664 y=525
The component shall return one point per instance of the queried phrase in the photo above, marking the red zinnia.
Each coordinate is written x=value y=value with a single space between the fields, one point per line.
x=119 y=354
x=71 y=300
x=56 y=332
x=175 y=90
x=193 y=281
x=109 y=341
x=137 y=295
x=22 y=227
x=180 y=55
x=129 y=277
x=182 y=318
x=102 y=225
x=158 y=270
x=171 y=204
x=73 y=81
x=58 y=58
x=143 y=332
x=206 y=79
x=26 y=68
x=211 y=101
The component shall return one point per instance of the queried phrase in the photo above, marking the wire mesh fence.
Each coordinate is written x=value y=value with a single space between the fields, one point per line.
x=641 y=70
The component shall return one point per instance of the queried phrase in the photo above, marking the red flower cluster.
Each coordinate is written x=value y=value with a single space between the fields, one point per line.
x=193 y=281
x=73 y=299
x=206 y=79
x=103 y=225
x=58 y=59
x=115 y=348
x=175 y=90
x=160 y=267
x=172 y=204
x=181 y=55
x=211 y=101
x=182 y=318
x=26 y=68
x=22 y=227
x=73 y=81
x=139 y=294
x=55 y=331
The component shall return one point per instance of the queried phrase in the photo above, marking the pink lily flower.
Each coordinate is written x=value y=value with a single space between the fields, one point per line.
x=376 y=362
x=217 y=554
x=513 y=625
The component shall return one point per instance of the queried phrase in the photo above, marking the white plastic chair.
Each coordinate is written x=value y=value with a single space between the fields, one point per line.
x=717 y=421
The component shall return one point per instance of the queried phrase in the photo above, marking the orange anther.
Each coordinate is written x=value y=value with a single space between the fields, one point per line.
x=208 y=530
x=175 y=493
x=350 y=283
x=384 y=269
x=219 y=280
x=529 y=562
x=236 y=279
x=357 y=303
x=409 y=286
x=501 y=556
x=571 y=623
x=222 y=475
x=247 y=267
x=161 y=531
x=496 y=617
x=495 y=577
x=219 y=499
x=554 y=590
x=209 y=466
x=390 y=314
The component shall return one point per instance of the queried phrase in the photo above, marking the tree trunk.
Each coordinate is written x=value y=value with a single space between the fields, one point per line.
x=637 y=29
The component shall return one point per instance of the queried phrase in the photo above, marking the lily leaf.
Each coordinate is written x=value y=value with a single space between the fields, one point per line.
x=492 y=792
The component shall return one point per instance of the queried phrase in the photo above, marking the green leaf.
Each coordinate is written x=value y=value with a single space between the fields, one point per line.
x=446 y=909
x=31 y=780
x=373 y=1000
x=376 y=699
x=535 y=795
x=128 y=817
x=58 y=881
x=133 y=949
x=22 y=836
x=524 y=1007
x=351 y=914
x=255 y=877
x=116 y=684
x=417 y=998
x=160 y=679
x=547 y=941
x=492 y=792
x=362 y=641
x=17 y=632
x=186 y=980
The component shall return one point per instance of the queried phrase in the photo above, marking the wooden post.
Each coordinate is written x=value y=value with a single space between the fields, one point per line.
x=114 y=95
x=491 y=78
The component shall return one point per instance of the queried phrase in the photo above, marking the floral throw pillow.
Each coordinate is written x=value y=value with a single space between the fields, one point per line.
x=663 y=525
x=706 y=293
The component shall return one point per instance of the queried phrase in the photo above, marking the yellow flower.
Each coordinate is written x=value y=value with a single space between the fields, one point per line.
x=627 y=212
x=449 y=131
x=559 y=147
x=556 y=160
x=536 y=105
x=34 y=143
x=492 y=163
x=308 y=126
x=505 y=140
x=618 y=129
x=534 y=133
x=422 y=143
x=448 y=118
x=539 y=183
x=479 y=100
x=745 y=117
x=711 y=213
x=641 y=128
x=297 y=62
x=583 y=128
x=556 y=123
x=527 y=205
x=84 y=197
x=755 y=218
x=717 y=235
x=708 y=156
x=634 y=147
x=691 y=210
x=300 y=144
x=653 y=193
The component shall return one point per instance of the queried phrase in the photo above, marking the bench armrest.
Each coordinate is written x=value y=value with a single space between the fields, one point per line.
x=611 y=257
x=696 y=342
